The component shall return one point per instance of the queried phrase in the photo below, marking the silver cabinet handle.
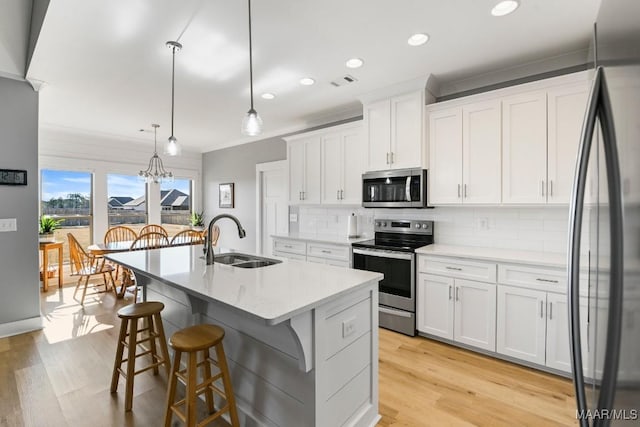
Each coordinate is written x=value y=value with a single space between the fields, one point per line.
x=387 y=158
x=458 y=191
x=338 y=194
x=541 y=309
x=550 y=311
x=457 y=293
x=304 y=195
x=453 y=268
x=551 y=187
x=300 y=195
x=546 y=280
x=542 y=188
x=392 y=157
x=325 y=251
x=465 y=191
x=341 y=194
x=450 y=292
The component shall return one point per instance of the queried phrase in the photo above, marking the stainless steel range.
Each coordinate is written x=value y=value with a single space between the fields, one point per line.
x=392 y=253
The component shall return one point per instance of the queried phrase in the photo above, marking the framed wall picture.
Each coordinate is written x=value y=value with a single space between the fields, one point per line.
x=226 y=195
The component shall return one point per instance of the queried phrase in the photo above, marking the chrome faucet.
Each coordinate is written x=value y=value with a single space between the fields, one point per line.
x=208 y=247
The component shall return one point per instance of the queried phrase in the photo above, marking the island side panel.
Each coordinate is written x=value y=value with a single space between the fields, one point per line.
x=270 y=388
x=346 y=360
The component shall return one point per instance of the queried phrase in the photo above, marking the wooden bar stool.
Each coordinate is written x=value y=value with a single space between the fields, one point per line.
x=152 y=325
x=192 y=340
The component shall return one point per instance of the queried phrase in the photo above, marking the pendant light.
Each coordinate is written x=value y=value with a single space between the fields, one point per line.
x=171 y=147
x=252 y=123
x=155 y=171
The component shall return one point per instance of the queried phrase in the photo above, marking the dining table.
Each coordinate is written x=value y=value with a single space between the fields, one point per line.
x=101 y=249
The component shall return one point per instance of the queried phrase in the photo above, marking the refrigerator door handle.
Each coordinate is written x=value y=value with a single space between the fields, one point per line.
x=599 y=106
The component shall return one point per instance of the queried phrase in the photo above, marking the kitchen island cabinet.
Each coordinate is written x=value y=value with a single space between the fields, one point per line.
x=301 y=338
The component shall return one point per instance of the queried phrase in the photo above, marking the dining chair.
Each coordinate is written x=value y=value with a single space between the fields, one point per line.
x=84 y=266
x=215 y=235
x=119 y=233
x=149 y=240
x=187 y=237
x=154 y=228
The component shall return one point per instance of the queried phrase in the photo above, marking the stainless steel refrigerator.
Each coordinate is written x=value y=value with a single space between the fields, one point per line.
x=604 y=229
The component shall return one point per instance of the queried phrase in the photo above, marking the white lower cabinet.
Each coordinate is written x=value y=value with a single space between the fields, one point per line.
x=533 y=326
x=320 y=253
x=457 y=309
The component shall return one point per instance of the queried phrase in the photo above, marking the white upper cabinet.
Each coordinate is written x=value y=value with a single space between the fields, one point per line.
x=566 y=110
x=464 y=154
x=524 y=148
x=342 y=167
x=394 y=132
x=304 y=170
x=445 y=157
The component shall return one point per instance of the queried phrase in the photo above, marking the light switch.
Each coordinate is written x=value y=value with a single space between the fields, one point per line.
x=8 y=224
x=348 y=327
x=293 y=217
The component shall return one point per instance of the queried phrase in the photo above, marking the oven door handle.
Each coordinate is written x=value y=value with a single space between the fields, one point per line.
x=400 y=313
x=383 y=254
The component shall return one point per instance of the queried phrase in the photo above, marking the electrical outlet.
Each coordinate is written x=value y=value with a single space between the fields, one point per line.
x=293 y=217
x=483 y=223
x=348 y=327
x=8 y=224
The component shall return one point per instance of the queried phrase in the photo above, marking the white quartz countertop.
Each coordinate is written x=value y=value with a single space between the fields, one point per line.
x=338 y=240
x=274 y=293
x=500 y=255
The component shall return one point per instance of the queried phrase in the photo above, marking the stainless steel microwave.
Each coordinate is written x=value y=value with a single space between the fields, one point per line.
x=401 y=188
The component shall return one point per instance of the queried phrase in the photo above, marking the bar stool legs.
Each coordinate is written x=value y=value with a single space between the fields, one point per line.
x=150 y=313
x=194 y=341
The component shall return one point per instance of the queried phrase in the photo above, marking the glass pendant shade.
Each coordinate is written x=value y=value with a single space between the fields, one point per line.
x=252 y=123
x=171 y=147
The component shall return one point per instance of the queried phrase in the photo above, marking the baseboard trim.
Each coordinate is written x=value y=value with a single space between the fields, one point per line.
x=20 y=326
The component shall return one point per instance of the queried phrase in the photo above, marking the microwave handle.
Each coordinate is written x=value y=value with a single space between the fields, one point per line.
x=407 y=189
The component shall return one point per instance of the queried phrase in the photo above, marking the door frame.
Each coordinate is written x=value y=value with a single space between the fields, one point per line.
x=260 y=169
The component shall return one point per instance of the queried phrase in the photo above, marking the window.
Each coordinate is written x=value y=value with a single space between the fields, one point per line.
x=126 y=201
x=66 y=195
x=175 y=205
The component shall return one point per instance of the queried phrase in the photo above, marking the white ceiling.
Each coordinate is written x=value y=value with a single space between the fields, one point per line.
x=107 y=69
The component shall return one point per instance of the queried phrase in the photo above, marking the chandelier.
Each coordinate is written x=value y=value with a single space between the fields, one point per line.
x=155 y=171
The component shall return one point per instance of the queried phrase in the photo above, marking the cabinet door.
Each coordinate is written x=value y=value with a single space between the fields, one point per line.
x=406 y=131
x=311 y=194
x=566 y=110
x=475 y=314
x=331 y=168
x=352 y=167
x=558 y=352
x=295 y=156
x=521 y=324
x=377 y=119
x=524 y=148
x=481 y=153
x=445 y=157
x=435 y=305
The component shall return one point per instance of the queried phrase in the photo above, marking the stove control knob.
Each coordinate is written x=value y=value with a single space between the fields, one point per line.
x=417 y=225
x=425 y=226
x=378 y=224
x=384 y=224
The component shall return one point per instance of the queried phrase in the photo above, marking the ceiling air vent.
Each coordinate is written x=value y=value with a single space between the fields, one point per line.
x=341 y=81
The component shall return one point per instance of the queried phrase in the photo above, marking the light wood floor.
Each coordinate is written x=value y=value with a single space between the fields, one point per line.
x=60 y=376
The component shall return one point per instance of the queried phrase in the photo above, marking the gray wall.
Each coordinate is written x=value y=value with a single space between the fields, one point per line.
x=19 y=281
x=238 y=165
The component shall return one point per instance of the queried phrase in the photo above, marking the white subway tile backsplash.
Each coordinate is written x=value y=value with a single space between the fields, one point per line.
x=518 y=228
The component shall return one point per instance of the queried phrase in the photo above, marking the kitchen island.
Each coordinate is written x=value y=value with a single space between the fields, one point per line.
x=301 y=338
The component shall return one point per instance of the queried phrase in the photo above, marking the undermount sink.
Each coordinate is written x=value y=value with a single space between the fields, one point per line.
x=244 y=260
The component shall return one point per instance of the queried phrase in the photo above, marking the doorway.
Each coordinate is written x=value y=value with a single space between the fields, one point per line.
x=273 y=210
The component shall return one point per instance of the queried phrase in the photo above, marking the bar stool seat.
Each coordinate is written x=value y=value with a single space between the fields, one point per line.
x=129 y=330
x=193 y=340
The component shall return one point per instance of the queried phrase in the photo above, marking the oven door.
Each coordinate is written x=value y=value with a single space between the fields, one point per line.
x=397 y=289
x=394 y=189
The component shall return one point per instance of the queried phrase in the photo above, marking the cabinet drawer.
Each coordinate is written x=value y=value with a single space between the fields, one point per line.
x=328 y=251
x=541 y=278
x=290 y=246
x=454 y=267
x=290 y=256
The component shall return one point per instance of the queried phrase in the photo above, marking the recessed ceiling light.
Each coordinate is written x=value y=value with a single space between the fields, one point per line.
x=354 y=63
x=268 y=95
x=418 y=39
x=505 y=7
x=307 y=81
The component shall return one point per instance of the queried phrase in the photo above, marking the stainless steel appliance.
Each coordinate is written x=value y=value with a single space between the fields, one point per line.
x=401 y=188
x=392 y=253
x=606 y=207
